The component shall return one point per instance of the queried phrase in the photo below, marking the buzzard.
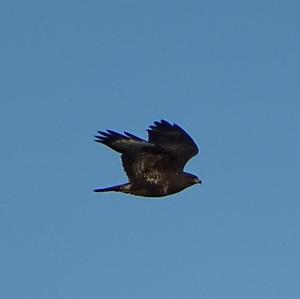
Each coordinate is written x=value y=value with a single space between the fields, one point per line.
x=154 y=167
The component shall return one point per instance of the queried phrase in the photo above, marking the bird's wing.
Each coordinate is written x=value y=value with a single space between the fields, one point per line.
x=127 y=143
x=174 y=141
x=141 y=160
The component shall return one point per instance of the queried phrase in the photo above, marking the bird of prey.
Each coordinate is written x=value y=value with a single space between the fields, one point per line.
x=154 y=167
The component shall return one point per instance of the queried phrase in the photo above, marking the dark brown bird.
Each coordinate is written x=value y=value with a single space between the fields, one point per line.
x=154 y=167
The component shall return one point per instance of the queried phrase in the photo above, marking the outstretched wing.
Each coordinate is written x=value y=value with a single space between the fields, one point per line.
x=141 y=160
x=127 y=143
x=174 y=141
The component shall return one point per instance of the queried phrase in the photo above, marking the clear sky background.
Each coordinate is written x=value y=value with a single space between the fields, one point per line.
x=226 y=71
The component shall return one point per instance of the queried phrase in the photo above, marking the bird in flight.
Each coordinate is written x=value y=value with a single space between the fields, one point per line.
x=154 y=167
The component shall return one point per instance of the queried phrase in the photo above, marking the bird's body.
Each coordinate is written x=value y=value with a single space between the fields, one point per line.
x=154 y=167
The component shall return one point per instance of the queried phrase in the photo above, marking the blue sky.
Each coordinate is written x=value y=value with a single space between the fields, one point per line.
x=227 y=72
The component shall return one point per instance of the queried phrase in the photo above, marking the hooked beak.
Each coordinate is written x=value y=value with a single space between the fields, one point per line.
x=198 y=181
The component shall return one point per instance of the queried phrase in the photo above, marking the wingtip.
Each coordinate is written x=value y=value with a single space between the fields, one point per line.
x=105 y=134
x=163 y=121
x=134 y=137
x=100 y=141
x=161 y=124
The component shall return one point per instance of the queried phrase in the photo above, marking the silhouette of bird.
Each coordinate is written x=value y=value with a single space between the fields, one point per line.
x=154 y=167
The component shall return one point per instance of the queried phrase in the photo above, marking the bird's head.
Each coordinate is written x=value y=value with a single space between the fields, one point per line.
x=192 y=179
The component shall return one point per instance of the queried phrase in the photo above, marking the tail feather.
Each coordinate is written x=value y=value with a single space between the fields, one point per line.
x=113 y=188
x=126 y=188
x=118 y=188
